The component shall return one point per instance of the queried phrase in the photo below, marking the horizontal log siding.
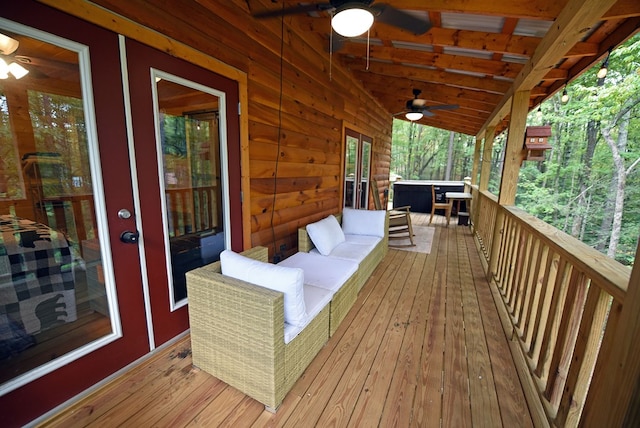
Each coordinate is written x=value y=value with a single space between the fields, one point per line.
x=309 y=116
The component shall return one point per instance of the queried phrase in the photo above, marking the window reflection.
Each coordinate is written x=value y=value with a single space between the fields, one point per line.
x=52 y=288
x=190 y=141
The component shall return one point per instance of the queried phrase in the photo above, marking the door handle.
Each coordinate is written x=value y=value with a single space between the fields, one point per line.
x=129 y=237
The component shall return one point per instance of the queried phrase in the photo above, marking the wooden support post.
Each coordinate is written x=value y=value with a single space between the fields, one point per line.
x=614 y=394
x=511 y=168
x=485 y=168
x=513 y=151
x=476 y=160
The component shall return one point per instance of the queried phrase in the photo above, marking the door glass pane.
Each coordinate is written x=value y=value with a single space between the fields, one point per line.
x=53 y=298
x=350 y=177
x=364 y=174
x=189 y=129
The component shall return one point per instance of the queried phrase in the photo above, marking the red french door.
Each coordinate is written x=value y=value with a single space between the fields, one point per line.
x=187 y=152
x=120 y=184
x=67 y=177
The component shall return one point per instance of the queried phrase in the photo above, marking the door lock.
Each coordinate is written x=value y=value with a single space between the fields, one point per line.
x=129 y=237
x=124 y=214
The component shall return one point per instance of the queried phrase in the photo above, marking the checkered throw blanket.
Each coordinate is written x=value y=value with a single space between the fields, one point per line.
x=36 y=278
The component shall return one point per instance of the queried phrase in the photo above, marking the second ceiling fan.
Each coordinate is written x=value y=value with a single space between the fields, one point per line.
x=416 y=107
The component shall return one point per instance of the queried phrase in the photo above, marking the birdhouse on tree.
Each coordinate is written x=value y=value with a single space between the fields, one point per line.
x=536 y=142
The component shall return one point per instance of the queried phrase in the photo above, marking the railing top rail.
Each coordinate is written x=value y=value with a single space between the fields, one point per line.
x=487 y=194
x=606 y=273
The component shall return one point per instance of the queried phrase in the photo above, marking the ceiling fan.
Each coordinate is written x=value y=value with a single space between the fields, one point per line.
x=416 y=107
x=351 y=18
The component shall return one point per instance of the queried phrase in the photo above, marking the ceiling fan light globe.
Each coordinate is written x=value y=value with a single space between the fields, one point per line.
x=352 y=21
x=17 y=70
x=4 y=68
x=8 y=45
x=414 y=115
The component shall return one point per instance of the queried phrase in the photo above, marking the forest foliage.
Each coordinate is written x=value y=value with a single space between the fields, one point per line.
x=589 y=183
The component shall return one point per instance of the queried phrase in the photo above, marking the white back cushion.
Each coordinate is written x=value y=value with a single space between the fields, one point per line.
x=325 y=234
x=287 y=280
x=363 y=222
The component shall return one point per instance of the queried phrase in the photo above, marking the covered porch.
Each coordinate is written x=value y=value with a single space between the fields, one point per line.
x=422 y=346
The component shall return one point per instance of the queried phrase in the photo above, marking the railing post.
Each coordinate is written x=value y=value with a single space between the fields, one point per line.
x=615 y=389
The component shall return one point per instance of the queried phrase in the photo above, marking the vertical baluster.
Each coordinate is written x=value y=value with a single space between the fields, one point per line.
x=503 y=254
x=529 y=285
x=512 y=255
x=524 y=248
x=594 y=321
x=567 y=333
x=554 y=316
x=540 y=272
x=554 y=266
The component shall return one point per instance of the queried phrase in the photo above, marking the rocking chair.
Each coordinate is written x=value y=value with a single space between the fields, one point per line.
x=399 y=218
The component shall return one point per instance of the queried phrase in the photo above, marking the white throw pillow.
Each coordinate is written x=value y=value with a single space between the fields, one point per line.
x=363 y=222
x=287 y=280
x=326 y=234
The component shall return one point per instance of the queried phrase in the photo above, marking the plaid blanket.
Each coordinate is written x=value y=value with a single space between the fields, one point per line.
x=36 y=278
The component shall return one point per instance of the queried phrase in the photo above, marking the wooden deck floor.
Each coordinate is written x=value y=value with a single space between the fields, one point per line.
x=422 y=346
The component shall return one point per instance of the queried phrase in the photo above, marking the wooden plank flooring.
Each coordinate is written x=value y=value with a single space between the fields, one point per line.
x=422 y=346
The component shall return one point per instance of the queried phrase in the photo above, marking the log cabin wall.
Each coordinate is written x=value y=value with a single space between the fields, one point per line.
x=304 y=167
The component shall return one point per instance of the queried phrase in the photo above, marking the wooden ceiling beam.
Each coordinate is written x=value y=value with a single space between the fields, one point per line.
x=534 y=9
x=446 y=125
x=576 y=19
x=430 y=91
x=443 y=61
x=395 y=96
x=486 y=84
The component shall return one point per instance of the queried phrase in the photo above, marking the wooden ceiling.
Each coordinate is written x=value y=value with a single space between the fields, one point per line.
x=477 y=54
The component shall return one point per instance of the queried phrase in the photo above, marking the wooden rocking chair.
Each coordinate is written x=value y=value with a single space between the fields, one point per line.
x=399 y=218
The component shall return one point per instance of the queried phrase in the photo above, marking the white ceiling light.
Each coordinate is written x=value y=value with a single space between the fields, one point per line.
x=7 y=45
x=14 y=68
x=4 y=69
x=17 y=70
x=351 y=20
x=414 y=115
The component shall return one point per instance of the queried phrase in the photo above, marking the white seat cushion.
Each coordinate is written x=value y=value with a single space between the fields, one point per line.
x=349 y=251
x=369 y=241
x=321 y=271
x=287 y=280
x=315 y=299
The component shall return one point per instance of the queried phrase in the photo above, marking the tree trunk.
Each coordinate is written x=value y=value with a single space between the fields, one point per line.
x=447 y=174
x=618 y=147
x=581 y=211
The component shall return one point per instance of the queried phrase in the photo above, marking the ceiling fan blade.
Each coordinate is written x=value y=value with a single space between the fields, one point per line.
x=319 y=7
x=392 y=16
x=427 y=113
x=443 y=107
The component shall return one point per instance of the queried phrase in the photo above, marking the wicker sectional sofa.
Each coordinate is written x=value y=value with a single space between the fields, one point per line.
x=238 y=329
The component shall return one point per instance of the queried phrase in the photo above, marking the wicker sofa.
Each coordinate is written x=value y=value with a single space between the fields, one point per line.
x=238 y=329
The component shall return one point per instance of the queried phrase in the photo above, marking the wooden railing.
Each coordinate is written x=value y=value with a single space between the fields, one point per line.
x=487 y=204
x=192 y=210
x=559 y=297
